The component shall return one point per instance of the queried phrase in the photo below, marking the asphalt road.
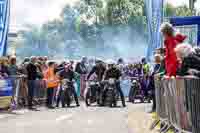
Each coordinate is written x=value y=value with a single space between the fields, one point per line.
x=69 y=120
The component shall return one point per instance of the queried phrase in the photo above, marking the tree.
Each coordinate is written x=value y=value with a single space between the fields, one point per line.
x=169 y=10
x=33 y=39
x=183 y=11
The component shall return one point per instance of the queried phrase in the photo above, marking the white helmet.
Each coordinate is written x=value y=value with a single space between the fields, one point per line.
x=110 y=62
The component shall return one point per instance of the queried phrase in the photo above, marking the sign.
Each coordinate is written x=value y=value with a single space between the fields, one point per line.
x=6 y=90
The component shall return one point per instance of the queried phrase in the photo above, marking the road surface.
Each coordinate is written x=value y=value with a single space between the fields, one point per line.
x=71 y=120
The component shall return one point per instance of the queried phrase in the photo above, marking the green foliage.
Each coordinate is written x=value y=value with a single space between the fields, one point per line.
x=82 y=26
x=169 y=10
x=182 y=10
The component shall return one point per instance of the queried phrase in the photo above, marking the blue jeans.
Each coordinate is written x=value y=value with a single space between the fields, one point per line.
x=31 y=87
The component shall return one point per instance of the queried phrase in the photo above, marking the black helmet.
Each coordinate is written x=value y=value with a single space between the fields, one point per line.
x=97 y=61
x=143 y=60
x=26 y=59
x=120 y=61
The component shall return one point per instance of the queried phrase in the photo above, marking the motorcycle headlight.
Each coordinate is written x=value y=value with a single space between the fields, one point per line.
x=92 y=83
x=134 y=81
x=111 y=81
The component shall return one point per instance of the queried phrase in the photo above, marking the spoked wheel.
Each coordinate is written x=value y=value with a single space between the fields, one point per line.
x=130 y=97
x=115 y=103
x=68 y=98
x=87 y=99
x=134 y=95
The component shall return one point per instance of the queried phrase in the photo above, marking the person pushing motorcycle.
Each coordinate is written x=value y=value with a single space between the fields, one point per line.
x=115 y=73
x=68 y=74
x=99 y=69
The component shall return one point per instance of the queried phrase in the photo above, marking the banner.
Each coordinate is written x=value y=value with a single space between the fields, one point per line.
x=4 y=25
x=154 y=12
x=6 y=91
x=5 y=88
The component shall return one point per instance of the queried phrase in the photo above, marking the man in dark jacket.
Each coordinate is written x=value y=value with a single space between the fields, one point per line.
x=115 y=73
x=31 y=75
x=81 y=67
x=69 y=74
x=99 y=69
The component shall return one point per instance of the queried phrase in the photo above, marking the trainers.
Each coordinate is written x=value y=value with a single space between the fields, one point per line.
x=51 y=107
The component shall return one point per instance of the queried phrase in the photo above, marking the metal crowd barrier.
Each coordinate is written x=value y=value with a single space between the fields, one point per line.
x=160 y=99
x=193 y=102
x=19 y=92
x=174 y=105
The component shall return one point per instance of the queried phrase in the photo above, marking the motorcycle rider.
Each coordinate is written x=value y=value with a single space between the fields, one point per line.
x=99 y=69
x=69 y=74
x=114 y=72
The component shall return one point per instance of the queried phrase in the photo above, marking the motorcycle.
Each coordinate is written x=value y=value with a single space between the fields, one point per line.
x=91 y=93
x=111 y=92
x=135 y=91
x=67 y=87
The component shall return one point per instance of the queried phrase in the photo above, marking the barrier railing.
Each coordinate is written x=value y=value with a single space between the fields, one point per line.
x=14 y=91
x=178 y=104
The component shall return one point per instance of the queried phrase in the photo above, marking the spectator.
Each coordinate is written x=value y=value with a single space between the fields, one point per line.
x=151 y=85
x=52 y=83
x=81 y=66
x=4 y=67
x=190 y=60
x=31 y=76
x=171 y=40
x=81 y=69
x=12 y=68
x=146 y=66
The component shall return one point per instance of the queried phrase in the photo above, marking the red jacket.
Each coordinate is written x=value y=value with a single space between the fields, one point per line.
x=171 y=63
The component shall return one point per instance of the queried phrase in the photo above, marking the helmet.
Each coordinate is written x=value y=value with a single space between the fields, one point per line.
x=26 y=59
x=120 y=61
x=143 y=60
x=110 y=62
x=98 y=60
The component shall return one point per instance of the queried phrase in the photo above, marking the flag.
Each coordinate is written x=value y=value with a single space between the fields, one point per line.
x=154 y=12
x=4 y=25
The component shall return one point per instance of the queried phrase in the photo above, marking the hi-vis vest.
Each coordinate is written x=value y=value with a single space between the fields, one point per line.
x=51 y=78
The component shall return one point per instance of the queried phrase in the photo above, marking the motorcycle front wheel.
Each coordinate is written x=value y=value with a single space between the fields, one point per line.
x=87 y=99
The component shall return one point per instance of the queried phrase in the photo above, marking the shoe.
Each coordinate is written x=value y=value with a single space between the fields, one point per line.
x=152 y=111
x=78 y=105
x=51 y=107
x=101 y=105
x=33 y=109
x=63 y=106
